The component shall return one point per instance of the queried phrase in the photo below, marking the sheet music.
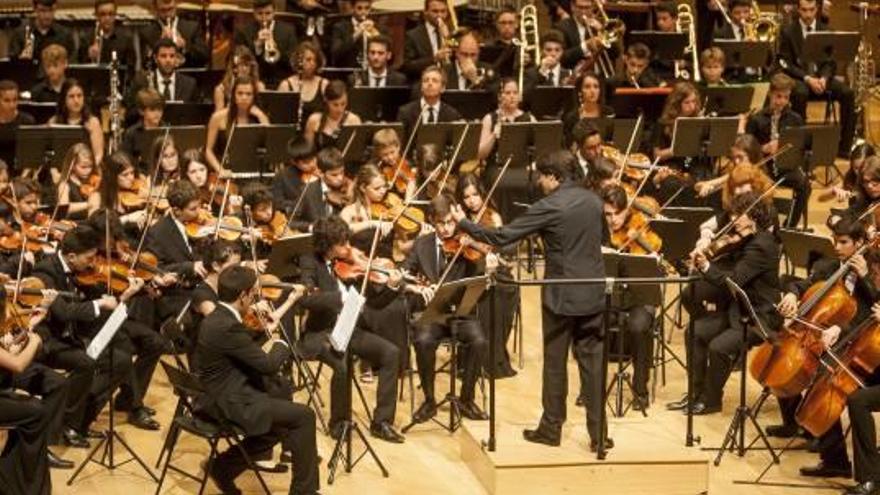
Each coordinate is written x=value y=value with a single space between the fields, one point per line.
x=105 y=335
x=352 y=302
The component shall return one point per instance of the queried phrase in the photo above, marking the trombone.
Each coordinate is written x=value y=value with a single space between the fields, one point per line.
x=685 y=23
x=529 y=40
x=611 y=33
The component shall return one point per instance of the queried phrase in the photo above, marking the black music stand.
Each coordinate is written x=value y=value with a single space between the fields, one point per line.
x=727 y=101
x=283 y=259
x=185 y=138
x=664 y=46
x=619 y=265
x=40 y=111
x=741 y=54
x=679 y=237
x=551 y=102
x=361 y=138
x=255 y=147
x=446 y=135
x=629 y=103
x=338 y=73
x=826 y=47
x=378 y=104
x=45 y=146
x=616 y=131
x=526 y=141
x=812 y=145
x=282 y=107
x=703 y=137
x=96 y=81
x=180 y=113
x=206 y=81
x=25 y=73
x=456 y=299
x=802 y=249
x=473 y=104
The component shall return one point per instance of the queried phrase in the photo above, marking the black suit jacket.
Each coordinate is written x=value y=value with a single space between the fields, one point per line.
x=69 y=320
x=409 y=113
x=417 y=52
x=791 y=47
x=571 y=224
x=392 y=78
x=232 y=366
x=759 y=124
x=121 y=41
x=864 y=290
x=185 y=88
x=756 y=271
x=574 y=50
x=165 y=240
x=285 y=38
x=287 y=187
x=57 y=34
x=314 y=207
x=344 y=49
x=196 y=52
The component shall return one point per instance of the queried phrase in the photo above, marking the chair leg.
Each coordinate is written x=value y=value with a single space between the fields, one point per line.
x=170 y=452
x=173 y=432
x=250 y=464
x=208 y=465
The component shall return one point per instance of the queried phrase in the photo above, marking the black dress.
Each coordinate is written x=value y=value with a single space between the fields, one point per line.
x=24 y=466
x=324 y=140
x=514 y=186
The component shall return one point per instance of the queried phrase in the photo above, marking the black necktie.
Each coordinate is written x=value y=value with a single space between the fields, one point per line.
x=166 y=93
x=377 y=81
x=437 y=39
x=552 y=77
x=431 y=118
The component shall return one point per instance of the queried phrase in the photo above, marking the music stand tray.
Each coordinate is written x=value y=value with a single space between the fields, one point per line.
x=551 y=102
x=704 y=136
x=255 y=146
x=96 y=81
x=40 y=111
x=728 y=100
x=284 y=257
x=829 y=46
x=812 y=145
x=445 y=135
x=664 y=46
x=378 y=104
x=185 y=138
x=616 y=131
x=466 y=290
x=525 y=141
x=361 y=138
x=338 y=73
x=179 y=113
x=745 y=53
x=678 y=236
x=38 y=145
x=630 y=102
x=694 y=215
x=206 y=81
x=282 y=107
x=472 y=104
x=619 y=265
x=803 y=248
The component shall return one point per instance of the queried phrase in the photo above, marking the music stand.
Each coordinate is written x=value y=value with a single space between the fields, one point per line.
x=825 y=47
x=445 y=136
x=456 y=299
x=181 y=113
x=45 y=146
x=338 y=73
x=282 y=107
x=40 y=111
x=551 y=102
x=206 y=81
x=740 y=54
x=283 y=259
x=255 y=146
x=525 y=141
x=95 y=80
x=616 y=131
x=726 y=101
x=378 y=104
x=361 y=137
x=704 y=137
x=630 y=102
x=185 y=138
x=803 y=248
x=664 y=45
x=812 y=145
x=25 y=73
x=473 y=104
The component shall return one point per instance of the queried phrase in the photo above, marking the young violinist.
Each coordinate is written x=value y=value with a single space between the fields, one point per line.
x=471 y=195
x=676 y=172
x=630 y=234
x=123 y=191
x=233 y=368
x=243 y=109
x=164 y=161
x=718 y=339
x=767 y=125
x=269 y=222
x=849 y=237
x=78 y=180
x=371 y=196
x=430 y=259
x=383 y=316
x=301 y=169
x=846 y=190
x=867 y=191
x=328 y=196
x=745 y=151
x=386 y=154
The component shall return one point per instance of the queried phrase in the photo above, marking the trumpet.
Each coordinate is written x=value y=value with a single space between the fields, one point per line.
x=529 y=40
x=685 y=23
x=268 y=48
x=760 y=26
x=99 y=40
x=368 y=31
x=170 y=26
x=30 y=42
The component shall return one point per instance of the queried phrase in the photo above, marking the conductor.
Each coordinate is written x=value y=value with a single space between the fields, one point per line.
x=569 y=220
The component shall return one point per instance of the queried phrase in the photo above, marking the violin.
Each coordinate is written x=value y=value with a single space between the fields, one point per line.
x=90 y=185
x=230 y=227
x=272 y=288
x=647 y=242
x=472 y=251
x=275 y=229
x=401 y=180
x=724 y=245
x=409 y=219
x=137 y=198
x=353 y=266
x=212 y=192
x=97 y=275
x=29 y=291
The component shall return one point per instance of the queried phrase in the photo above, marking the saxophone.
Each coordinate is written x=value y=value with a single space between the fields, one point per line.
x=30 y=43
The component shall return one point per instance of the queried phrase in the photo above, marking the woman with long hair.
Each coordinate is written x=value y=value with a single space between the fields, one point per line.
x=241 y=63
x=307 y=61
x=322 y=128
x=588 y=89
x=78 y=180
x=243 y=110
x=73 y=110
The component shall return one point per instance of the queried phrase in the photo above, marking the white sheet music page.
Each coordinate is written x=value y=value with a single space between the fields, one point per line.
x=116 y=319
x=352 y=302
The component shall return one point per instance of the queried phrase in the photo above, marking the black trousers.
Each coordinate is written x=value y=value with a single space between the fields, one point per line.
x=294 y=426
x=81 y=373
x=369 y=346
x=390 y=322
x=639 y=323
x=469 y=333
x=799 y=183
x=867 y=459
x=717 y=345
x=146 y=346
x=506 y=305
x=562 y=332
x=51 y=386
x=838 y=92
x=832 y=444
x=24 y=466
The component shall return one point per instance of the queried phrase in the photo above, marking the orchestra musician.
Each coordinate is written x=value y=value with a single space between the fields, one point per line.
x=665 y=21
x=307 y=61
x=467 y=72
x=426 y=44
x=73 y=110
x=44 y=30
x=569 y=218
x=548 y=71
x=348 y=37
x=150 y=108
x=241 y=64
x=322 y=128
x=10 y=119
x=265 y=29
x=637 y=71
x=430 y=108
x=53 y=62
x=379 y=74
x=712 y=69
x=227 y=359
x=588 y=89
x=79 y=178
x=579 y=44
x=185 y=34
x=97 y=47
x=676 y=172
x=506 y=62
x=243 y=109
x=301 y=169
x=171 y=84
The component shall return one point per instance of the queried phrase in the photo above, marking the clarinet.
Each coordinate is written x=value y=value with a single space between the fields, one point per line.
x=115 y=122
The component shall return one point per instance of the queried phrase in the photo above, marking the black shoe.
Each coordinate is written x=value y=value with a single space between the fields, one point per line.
x=866 y=488
x=702 y=409
x=56 y=462
x=220 y=478
x=813 y=445
x=139 y=418
x=782 y=431
x=823 y=470
x=73 y=438
x=641 y=402
x=425 y=412
x=679 y=404
x=594 y=444
x=470 y=411
x=125 y=406
x=384 y=431
x=541 y=435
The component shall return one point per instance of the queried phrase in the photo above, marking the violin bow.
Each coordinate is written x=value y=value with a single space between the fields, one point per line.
x=296 y=207
x=629 y=147
x=151 y=212
x=407 y=202
x=757 y=200
x=225 y=187
x=57 y=207
x=478 y=218
x=409 y=142
x=249 y=219
x=868 y=211
x=452 y=160
x=644 y=228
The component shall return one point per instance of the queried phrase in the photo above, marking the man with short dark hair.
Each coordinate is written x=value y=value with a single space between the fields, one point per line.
x=348 y=36
x=570 y=221
x=41 y=32
x=263 y=28
x=233 y=369
x=379 y=73
x=425 y=44
x=187 y=35
x=96 y=48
